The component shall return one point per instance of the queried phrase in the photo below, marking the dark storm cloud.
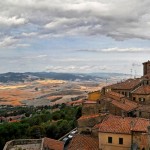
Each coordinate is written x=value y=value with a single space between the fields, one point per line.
x=119 y=19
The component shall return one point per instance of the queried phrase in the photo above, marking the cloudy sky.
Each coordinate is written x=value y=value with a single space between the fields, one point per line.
x=74 y=35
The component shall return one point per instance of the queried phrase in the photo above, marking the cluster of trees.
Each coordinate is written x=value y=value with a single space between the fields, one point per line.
x=52 y=125
x=19 y=110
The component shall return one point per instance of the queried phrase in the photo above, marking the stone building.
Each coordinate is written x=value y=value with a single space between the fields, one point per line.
x=141 y=94
x=146 y=67
x=122 y=133
x=117 y=104
x=87 y=122
x=137 y=89
x=117 y=114
x=143 y=111
x=90 y=107
x=125 y=87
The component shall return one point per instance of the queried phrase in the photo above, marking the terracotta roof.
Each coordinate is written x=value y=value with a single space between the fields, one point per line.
x=84 y=142
x=88 y=116
x=120 y=101
x=53 y=144
x=90 y=102
x=114 y=95
x=124 y=106
x=118 y=124
x=126 y=85
x=144 y=90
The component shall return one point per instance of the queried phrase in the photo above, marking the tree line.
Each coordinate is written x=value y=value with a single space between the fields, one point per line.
x=45 y=124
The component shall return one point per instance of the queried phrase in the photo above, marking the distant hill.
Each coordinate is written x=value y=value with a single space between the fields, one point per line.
x=108 y=75
x=31 y=76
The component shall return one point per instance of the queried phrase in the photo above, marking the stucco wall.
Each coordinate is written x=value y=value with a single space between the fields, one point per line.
x=93 y=96
x=104 y=145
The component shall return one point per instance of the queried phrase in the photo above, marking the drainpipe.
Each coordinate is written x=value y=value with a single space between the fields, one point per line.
x=131 y=139
x=131 y=129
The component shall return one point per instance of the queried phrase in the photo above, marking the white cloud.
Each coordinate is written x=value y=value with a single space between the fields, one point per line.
x=12 y=43
x=11 y=21
x=30 y=34
x=22 y=45
x=7 y=42
x=116 y=49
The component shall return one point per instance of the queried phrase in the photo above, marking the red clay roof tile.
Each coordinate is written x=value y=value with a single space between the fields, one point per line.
x=84 y=142
x=120 y=101
x=126 y=85
x=144 y=90
x=117 y=124
x=53 y=144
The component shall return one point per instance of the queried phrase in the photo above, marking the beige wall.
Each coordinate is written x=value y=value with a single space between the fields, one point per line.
x=94 y=96
x=104 y=145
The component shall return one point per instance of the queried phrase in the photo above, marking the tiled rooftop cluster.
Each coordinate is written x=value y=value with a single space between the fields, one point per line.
x=144 y=89
x=118 y=124
x=127 y=85
x=117 y=102
x=120 y=101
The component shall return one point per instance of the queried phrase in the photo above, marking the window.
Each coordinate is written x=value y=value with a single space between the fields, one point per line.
x=142 y=99
x=109 y=139
x=134 y=98
x=120 y=140
x=140 y=113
